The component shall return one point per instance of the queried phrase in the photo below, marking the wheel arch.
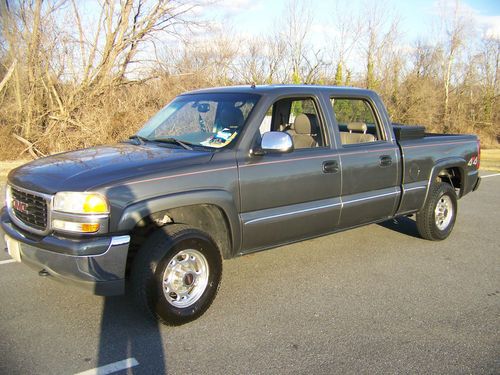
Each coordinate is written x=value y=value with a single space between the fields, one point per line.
x=450 y=170
x=212 y=211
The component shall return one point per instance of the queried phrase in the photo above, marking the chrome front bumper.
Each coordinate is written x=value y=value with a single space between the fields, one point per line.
x=95 y=264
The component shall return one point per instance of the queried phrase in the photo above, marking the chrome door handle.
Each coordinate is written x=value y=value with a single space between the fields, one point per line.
x=330 y=166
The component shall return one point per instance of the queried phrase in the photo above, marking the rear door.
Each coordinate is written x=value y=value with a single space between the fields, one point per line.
x=369 y=159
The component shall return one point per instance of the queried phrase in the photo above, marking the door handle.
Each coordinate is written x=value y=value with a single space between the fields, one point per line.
x=330 y=166
x=385 y=161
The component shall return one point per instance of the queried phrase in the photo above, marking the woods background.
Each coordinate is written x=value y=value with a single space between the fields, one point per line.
x=79 y=73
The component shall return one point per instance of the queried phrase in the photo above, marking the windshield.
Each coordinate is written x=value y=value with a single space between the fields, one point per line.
x=208 y=120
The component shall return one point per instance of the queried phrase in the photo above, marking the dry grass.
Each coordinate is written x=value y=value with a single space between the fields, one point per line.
x=490 y=159
x=10 y=148
x=6 y=166
x=68 y=81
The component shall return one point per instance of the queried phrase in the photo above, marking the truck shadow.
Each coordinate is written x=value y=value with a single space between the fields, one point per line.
x=126 y=333
x=403 y=225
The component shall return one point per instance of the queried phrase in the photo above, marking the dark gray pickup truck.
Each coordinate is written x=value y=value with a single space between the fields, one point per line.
x=223 y=172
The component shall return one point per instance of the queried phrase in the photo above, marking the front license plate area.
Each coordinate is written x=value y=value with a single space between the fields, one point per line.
x=13 y=248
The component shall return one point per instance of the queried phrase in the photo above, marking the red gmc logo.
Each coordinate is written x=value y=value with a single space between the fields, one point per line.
x=19 y=206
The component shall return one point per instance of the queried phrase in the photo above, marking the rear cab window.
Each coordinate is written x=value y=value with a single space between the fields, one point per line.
x=357 y=121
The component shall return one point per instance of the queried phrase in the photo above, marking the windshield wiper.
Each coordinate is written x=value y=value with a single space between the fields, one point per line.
x=175 y=141
x=140 y=139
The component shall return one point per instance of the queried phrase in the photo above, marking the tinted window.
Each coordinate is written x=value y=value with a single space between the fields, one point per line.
x=356 y=120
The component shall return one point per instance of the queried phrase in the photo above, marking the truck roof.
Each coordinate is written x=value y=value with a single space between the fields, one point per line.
x=283 y=89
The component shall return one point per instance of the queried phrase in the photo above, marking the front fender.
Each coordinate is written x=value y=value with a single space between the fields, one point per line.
x=135 y=212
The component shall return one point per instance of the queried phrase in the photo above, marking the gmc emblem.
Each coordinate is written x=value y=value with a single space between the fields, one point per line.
x=19 y=206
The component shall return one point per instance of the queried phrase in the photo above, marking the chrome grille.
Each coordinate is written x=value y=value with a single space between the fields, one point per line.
x=30 y=209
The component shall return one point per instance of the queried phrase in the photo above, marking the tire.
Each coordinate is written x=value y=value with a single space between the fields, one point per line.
x=176 y=274
x=436 y=219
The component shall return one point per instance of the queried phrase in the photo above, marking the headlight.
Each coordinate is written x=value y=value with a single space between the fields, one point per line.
x=81 y=203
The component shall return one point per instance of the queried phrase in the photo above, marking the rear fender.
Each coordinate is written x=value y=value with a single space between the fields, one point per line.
x=454 y=162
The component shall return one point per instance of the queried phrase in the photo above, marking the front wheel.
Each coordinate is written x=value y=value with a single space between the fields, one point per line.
x=176 y=274
x=436 y=219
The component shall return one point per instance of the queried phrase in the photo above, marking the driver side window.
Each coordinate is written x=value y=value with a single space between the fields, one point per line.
x=299 y=118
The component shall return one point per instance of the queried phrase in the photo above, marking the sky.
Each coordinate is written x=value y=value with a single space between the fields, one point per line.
x=254 y=17
x=246 y=19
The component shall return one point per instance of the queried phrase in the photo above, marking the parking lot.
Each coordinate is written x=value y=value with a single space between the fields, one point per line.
x=377 y=299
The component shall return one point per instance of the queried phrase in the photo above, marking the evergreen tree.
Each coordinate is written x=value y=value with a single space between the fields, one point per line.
x=338 y=74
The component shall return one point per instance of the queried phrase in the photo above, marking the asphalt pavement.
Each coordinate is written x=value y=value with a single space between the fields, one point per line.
x=376 y=299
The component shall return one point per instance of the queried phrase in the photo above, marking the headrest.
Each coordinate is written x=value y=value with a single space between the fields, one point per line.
x=305 y=123
x=359 y=127
x=231 y=117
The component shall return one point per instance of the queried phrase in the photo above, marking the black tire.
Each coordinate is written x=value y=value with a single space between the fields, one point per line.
x=150 y=266
x=427 y=225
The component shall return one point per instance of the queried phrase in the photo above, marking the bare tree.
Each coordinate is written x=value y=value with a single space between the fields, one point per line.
x=454 y=28
x=348 y=32
x=489 y=74
x=211 y=61
x=305 y=61
x=298 y=24
x=262 y=61
x=50 y=84
x=380 y=35
x=70 y=79
x=121 y=32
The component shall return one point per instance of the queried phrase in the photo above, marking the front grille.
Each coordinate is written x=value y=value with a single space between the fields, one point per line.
x=30 y=209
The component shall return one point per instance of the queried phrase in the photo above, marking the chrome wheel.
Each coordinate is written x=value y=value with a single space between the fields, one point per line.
x=443 y=213
x=185 y=278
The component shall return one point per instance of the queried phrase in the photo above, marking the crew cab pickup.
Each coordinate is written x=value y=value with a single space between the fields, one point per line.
x=224 y=172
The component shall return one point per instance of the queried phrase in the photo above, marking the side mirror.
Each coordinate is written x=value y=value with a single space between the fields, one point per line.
x=275 y=143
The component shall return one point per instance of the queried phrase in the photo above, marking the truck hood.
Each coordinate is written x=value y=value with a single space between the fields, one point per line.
x=99 y=166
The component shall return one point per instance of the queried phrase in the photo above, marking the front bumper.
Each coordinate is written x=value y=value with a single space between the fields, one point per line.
x=95 y=264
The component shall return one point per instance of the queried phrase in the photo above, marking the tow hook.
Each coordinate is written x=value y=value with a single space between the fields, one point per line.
x=43 y=272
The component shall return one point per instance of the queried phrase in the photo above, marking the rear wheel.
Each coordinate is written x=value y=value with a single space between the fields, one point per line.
x=436 y=219
x=176 y=274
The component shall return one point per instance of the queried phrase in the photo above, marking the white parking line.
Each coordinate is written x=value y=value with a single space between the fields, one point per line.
x=7 y=261
x=491 y=175
x=112 y=367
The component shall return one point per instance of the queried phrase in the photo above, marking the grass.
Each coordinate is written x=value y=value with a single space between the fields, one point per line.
x=6 y=166
x=490 y=159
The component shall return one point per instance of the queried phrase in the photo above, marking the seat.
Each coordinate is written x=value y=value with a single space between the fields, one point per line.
x=306 y=131
x=230 y=118
x=357 y=134
x=284 y=125
x=290 y=129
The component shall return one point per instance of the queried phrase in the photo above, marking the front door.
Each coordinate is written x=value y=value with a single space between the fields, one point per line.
x=285 y=197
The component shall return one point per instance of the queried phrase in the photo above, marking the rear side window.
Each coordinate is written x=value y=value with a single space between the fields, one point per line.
x=356 y=120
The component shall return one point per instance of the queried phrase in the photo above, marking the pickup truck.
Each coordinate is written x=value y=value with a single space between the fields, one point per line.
x=223 y=172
